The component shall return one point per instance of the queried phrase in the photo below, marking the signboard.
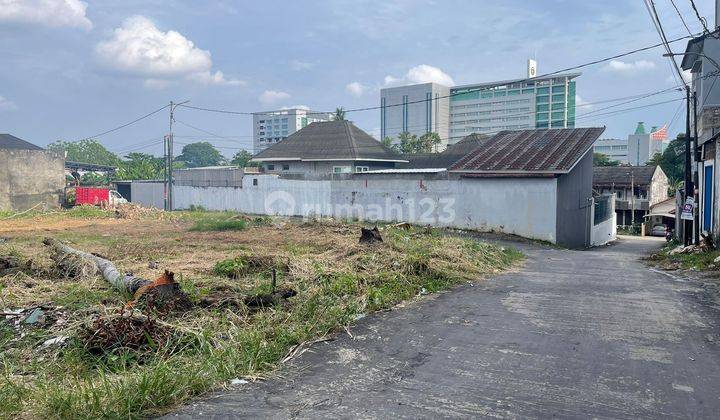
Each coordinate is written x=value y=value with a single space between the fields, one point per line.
x=687 y=211
x=532 y=68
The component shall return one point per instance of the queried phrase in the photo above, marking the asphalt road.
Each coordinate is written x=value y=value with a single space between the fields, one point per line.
x=572 y=334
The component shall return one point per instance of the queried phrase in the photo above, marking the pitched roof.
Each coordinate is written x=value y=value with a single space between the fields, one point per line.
x=332 y=140
x=447 y=157
x=532 y=152
x=8 y=141
x=623 y=175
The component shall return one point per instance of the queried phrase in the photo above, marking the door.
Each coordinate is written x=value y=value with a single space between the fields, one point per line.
x=708 y=198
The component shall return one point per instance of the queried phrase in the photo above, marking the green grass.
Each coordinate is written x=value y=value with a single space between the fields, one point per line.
x=699 y=261
x=212 y=225
x=210 y=346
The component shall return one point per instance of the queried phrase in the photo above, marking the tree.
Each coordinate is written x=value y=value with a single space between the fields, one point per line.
x=429 y=142
x=673 y=159
x=388 y=142
x=242 y=159
x=141 y=166
x=339 y=114
x=86 y=151
x=200 y=154
x=411 y=143
x=600 y=159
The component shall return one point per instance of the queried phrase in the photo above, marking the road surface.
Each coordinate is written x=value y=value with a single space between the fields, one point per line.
x=571 y=334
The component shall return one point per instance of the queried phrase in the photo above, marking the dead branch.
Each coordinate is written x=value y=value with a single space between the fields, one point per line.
x=126 y=283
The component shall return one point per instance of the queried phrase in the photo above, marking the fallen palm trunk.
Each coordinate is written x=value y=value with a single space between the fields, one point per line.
x=126 y=283
x=163 y=294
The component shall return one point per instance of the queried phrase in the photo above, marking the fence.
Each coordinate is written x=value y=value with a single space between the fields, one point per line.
x=604 y=227
x=603 y=209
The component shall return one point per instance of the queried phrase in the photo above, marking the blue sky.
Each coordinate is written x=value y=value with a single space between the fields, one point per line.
x=71 y=69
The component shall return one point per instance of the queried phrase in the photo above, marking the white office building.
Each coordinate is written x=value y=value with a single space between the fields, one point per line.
x=270 y=127
x=642 y=146
x=614 y=149
x=484 y=108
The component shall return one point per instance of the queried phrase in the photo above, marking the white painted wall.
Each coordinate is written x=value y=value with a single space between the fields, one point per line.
x=520 y=206
x=604 y=232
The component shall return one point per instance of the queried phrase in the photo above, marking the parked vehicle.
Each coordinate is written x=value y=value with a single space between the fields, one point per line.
x=658 y=230
x=97 y=196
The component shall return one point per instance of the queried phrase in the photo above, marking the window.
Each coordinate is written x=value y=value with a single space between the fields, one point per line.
x=255 y=182
x=286 y=167
x=558 y=98
x=541 y=116
x=341 y=169
x=558 y=89
x=558 y=115
x=362 y=168
x=542 y=99
x=531 y=90
x=271 y=167
x=544 y=90
x=542 y=108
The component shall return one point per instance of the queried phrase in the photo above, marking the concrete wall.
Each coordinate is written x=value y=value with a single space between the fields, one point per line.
x=29 y=178
x=574 y=206
x=209 y=177
x=524 y=207
x=149 y=194
x=604 y=232
x=658 y=187
x=312 y=169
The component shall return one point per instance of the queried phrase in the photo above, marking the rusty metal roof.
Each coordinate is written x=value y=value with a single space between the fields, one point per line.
x=548 y=151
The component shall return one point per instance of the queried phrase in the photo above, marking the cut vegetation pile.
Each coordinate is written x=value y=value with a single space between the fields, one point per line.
x=72 y=346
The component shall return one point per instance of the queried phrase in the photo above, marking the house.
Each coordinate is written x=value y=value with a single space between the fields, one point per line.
x=636 y=189
x=551 y=170
x=30 y=176
x=322 y=148
x=701 y=59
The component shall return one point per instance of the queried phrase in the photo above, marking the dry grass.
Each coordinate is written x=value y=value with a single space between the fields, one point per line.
x=336 y=278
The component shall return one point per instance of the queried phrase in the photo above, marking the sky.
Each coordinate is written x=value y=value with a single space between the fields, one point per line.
x=72 y=69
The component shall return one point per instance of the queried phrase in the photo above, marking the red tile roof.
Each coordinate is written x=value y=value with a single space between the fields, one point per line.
x=553 y=151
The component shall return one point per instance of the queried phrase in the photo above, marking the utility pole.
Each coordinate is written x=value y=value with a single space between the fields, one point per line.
x=169 y=155
x=632 y=199
x=689 y=188
x=696 y=155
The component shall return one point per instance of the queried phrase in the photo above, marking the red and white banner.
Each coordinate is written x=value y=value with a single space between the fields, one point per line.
x=661 y=134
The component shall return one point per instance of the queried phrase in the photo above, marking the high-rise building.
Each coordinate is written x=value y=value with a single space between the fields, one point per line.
x=614 y=149
x=270 y=127
x=484 y=108
x=642 y=146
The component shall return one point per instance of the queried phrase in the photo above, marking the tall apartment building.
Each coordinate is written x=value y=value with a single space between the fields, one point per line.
x=484 y=108
x=642 y=146
x=614 y=149
x=270 y=127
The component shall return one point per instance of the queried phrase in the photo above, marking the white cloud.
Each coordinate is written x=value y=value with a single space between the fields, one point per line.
x=270 y=97
x=580 y=102
x=305 y=107
x=421 y=74
x=355 y=88
x=301 y=65
x=53 y=13
x=631 y=67
x=139 y=47
x=217 y=78
x=6 y=104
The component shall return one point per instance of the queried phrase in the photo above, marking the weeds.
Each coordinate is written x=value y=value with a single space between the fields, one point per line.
x=139 y=368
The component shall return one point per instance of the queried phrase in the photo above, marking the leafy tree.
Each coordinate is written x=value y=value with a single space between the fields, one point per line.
x=339 y=114
x=429 y=142
x=388 y=142
x=200 y=154
x=141 y=166
x=86 y=151
x=673 y=159
x=655 y=160
x=242 y=159
x=600 y=159
x=411 y=143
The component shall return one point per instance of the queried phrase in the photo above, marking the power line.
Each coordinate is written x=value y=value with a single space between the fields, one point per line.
x=619 y=111
x=650 y=5
x=702 y=20
x=682 y=19
x=125 y=125
x=487 y=87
